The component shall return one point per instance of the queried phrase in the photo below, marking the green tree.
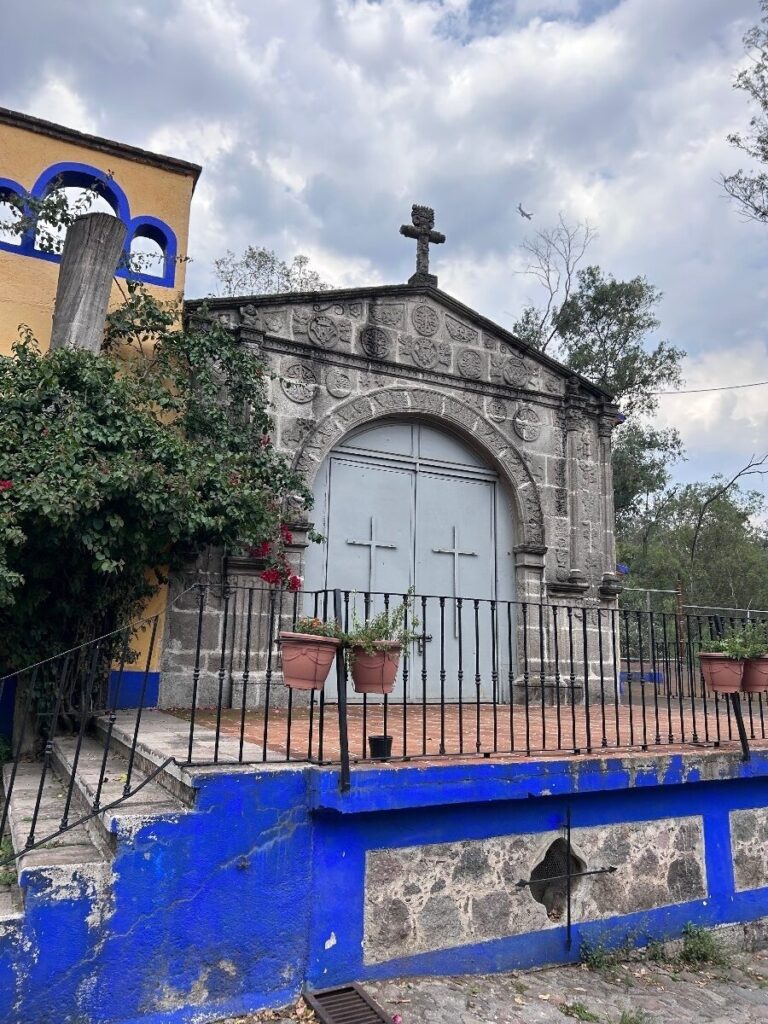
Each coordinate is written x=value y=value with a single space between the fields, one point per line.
x=113 y=465
x=749 y=188
x=642 y=460
x=709 y=536
x=260 y=271
x=603 y=327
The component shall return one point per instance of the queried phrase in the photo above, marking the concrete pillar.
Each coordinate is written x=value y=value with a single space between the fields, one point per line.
x=92 y=249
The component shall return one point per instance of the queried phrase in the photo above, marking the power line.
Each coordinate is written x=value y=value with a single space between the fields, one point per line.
x=724 y=387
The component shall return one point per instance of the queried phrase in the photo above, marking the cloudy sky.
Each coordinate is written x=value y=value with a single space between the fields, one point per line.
x=319 y=122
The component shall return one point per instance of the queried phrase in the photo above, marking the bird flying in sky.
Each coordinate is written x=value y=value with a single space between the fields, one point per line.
x=522 y=212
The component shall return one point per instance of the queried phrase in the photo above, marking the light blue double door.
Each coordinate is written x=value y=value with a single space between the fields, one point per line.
x=405 y=505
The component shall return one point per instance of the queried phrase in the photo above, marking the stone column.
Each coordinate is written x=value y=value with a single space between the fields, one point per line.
x=92 y=249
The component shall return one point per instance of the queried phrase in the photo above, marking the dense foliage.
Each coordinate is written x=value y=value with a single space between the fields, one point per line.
x=114 y=465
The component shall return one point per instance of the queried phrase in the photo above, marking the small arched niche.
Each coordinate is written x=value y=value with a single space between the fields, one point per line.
x=548 y=883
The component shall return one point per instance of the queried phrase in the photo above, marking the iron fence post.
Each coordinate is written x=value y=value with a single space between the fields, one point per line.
x=341 y=689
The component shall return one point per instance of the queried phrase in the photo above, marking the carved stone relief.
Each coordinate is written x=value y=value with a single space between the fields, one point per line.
x=338 y=382
x=390 y=315
x=527 y=423
x=375 y=342
x=459 y=331
x=470 y=364
x=323 y=331
x=425 y=320
x=294 y=431
x=512 y=370
x=425 y=352
x=299 y=382
x=497 y=410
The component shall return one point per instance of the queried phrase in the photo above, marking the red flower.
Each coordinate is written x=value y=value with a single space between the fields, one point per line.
x=6 y=485
x=294 y=583
x=265 y=441
x=271 y=576
x=260 y=550
x=286 y=534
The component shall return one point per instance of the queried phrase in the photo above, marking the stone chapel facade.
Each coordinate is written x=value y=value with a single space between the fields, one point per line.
x=347 y=361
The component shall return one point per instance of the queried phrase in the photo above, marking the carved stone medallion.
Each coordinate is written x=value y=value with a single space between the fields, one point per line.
x=470 y=364
x=339 y=383
x=425 y=320
x=374 y=342
x=323 y=331
x=497 y=410
x=299 y=382
x=425 y=352
x=527 y=423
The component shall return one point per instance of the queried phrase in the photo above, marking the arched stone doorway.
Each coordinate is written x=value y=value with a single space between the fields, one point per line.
x=401 y=504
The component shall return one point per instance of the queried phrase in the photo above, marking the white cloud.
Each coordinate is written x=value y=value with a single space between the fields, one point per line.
x=318 y=124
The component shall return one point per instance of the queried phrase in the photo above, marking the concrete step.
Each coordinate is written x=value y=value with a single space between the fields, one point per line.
x=11 y=904
x=150 y=754
x=64 y=853
x=151 y=801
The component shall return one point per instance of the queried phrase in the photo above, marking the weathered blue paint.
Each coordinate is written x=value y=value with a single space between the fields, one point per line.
x=126 y=692
x=259 y=889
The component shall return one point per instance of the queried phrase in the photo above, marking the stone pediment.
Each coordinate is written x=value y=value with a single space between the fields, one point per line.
x=414 y=327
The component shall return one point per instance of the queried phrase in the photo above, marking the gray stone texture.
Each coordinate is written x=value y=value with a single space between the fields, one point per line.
x=345 y=359
x=749 y=847
x=458 y=893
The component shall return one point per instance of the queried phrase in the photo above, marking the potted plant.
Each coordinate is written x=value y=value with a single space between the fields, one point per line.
x=308 y=652
x=722 y=661
x=374 y=648
x=755 y=678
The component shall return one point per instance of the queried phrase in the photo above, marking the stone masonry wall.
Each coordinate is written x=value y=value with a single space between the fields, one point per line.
x=433 y=897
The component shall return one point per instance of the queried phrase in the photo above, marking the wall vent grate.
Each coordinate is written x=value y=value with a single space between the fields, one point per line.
x=345 y=1004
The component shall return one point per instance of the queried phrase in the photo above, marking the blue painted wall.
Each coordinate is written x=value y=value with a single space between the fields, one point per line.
x=259 y=889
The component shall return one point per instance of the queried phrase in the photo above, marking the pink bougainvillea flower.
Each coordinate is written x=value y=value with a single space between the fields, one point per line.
x=286 y=534
x=6 y=485
x=270 y=575
x=397 y=1019
x=295 y=582
x=260 y=550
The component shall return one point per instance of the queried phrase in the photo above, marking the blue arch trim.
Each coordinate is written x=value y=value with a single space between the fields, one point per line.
x=9 y=187
x=69 y=174
x=158 y=231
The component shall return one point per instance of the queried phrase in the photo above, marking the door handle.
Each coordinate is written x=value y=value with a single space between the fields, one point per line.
x=421 y=640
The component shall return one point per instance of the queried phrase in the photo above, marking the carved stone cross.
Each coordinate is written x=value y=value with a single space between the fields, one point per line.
x=423 y=218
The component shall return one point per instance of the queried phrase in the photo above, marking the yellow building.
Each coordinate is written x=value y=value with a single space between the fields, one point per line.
x=149 y=192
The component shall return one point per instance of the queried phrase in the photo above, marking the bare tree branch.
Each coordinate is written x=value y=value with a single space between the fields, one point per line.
x=553 y=256
x=752 y=468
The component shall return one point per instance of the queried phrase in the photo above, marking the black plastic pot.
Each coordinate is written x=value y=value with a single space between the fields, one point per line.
x=380 y=747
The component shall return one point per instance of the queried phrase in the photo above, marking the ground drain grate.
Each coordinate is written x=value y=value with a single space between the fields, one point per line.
x=346 y=1004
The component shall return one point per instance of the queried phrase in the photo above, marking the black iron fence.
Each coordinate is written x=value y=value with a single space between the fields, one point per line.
x=478 y=678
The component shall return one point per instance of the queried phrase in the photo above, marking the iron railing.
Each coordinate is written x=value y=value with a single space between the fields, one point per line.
x=484 y=679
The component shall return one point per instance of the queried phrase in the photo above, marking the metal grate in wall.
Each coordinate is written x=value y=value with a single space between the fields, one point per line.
x=346 y=1004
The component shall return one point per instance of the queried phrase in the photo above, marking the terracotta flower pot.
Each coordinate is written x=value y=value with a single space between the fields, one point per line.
x=755 y=679
x=307 y=659
x=375 y=673
x=721 y=673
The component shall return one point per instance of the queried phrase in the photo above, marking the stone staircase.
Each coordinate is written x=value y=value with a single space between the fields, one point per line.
x=79 y=859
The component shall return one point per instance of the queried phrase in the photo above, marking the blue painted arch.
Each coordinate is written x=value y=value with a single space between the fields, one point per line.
x=70 y=174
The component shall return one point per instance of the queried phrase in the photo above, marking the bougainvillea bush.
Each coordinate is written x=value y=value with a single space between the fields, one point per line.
x=113 y=465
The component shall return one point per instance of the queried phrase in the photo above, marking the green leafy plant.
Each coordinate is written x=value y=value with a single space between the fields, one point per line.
x=635 y=1016
x=316 y=627
x=579 y=1011
x=117 y=467
x=7 y=867
x=701 y=946
x=739 y=642
x=387 y=626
